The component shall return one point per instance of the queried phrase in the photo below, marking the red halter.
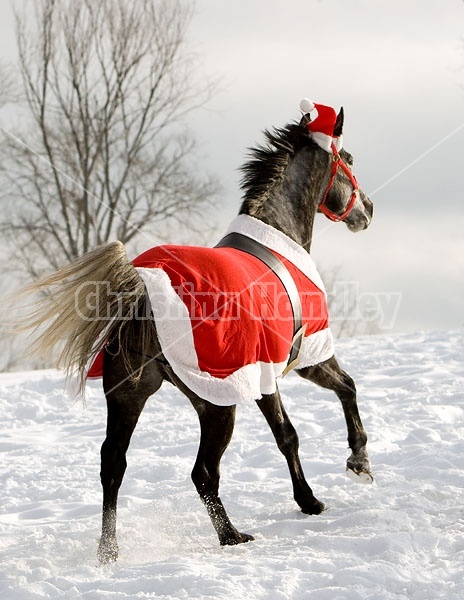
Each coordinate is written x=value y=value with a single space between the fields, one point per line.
x=338 y=162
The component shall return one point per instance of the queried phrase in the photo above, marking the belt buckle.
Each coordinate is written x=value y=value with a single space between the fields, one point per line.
x=296 y=342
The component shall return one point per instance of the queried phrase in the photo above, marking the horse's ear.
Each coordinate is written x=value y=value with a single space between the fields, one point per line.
x=338 y=127
x=305 y=119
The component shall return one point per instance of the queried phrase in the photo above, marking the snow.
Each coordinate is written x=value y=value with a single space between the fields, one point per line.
x=400 y=538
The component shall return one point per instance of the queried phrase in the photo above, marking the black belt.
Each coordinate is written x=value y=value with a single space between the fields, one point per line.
x=251 y=246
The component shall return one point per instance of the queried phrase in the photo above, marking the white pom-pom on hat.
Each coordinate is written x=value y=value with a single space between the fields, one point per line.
x=306 y=106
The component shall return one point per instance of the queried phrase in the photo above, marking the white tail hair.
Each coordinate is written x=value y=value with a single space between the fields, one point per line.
x=82 y=306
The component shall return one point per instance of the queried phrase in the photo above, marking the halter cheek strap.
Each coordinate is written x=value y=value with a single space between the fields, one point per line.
x=338 y=163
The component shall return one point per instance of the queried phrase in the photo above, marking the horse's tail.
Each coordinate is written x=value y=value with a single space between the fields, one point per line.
x=83 y=305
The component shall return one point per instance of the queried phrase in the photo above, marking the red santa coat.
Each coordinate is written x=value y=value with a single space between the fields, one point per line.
x=223 y=318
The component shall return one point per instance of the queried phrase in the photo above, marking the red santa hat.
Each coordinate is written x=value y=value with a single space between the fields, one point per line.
x=321 y=126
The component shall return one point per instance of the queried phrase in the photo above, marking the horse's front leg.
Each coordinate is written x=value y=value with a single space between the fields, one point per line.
x=329 y=375
x=287 y=442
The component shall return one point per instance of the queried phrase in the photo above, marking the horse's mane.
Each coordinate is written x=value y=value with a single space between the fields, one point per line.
x=268 y=162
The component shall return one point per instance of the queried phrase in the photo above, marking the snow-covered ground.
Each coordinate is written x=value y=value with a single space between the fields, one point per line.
x=401 y=538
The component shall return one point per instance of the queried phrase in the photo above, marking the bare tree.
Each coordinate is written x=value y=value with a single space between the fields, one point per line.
x=8 y=85
x=104 y=153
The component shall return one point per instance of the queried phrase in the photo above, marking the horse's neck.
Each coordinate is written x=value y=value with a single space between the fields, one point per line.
x=290 y=204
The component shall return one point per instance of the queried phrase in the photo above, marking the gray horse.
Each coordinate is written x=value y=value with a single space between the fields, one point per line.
x=301 y=171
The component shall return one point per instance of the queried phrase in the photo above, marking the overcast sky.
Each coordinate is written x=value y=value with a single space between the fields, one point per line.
x=397 y=67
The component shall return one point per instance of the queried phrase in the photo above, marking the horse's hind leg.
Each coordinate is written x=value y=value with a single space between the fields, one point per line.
x=125 y=401
x=287 y=442
x=217 y=425
x=329 y=375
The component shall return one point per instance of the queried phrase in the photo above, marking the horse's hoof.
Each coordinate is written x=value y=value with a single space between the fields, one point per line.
x=108 y=552
x=238 y=538
x=313 y=508
x=360 y=476
x=358 y=467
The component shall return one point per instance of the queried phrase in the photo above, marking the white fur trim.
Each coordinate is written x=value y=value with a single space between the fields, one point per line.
x=323 y=140
x=276 y=240
x=316 y=348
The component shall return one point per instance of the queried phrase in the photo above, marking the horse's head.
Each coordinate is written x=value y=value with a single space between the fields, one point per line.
x=304 y=169
x=341 y=198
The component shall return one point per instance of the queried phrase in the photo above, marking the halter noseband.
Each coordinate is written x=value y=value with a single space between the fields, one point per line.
x=338 y=162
